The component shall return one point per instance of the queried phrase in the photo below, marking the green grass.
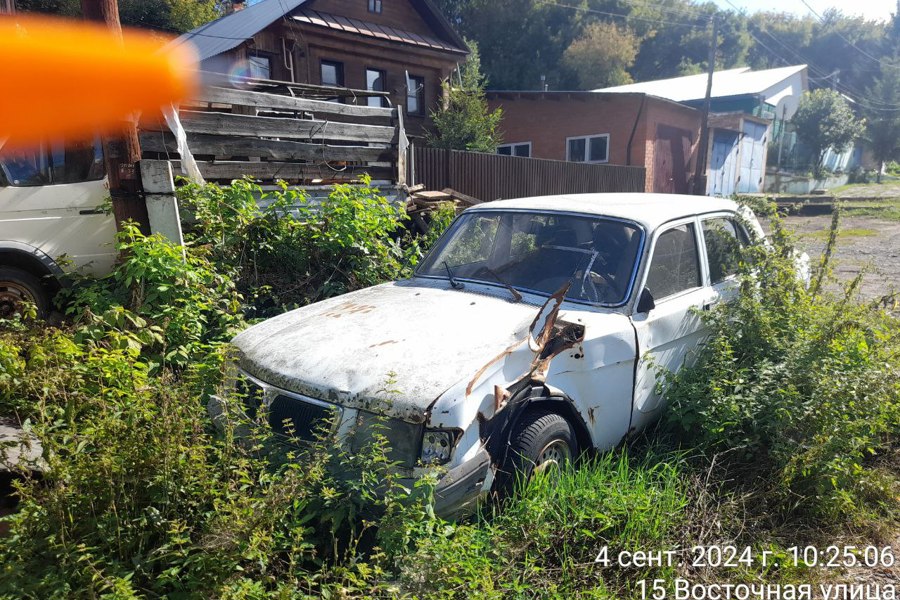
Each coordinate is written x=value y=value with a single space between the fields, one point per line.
x=887 y=210
x=843 y=234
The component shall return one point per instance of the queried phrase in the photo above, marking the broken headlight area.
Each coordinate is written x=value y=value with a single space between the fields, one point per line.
x=402 y=438
x=437 y=446
x=249 y=393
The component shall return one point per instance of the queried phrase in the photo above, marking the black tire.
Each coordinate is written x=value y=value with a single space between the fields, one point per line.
x=18 y=286
x=534 y=436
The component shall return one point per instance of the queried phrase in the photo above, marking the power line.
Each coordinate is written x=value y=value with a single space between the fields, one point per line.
x=691 y=12
x=864 y=101
x=848 y=42
x=621 y=16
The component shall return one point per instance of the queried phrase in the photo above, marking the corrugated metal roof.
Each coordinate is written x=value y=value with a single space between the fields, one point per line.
x=373 y=30
x=733 y=82
x=232 y=30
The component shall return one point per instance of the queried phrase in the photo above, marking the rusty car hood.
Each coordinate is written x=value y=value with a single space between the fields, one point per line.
x=392 y=349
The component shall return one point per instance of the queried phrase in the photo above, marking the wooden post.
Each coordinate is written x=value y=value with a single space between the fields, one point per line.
x=122 y=149
x=703 y=147
x=162 y=205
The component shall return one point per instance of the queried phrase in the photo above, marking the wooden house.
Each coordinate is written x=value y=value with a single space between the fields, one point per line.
x=403 y=47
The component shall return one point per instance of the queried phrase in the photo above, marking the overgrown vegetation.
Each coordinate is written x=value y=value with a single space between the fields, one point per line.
x=791 y=414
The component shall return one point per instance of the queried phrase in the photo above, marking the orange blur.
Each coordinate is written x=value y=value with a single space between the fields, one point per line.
x=72 y=79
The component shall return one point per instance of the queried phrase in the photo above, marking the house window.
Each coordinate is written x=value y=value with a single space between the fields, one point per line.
x=415 y=95
x=260 y=66
x=589 y=148
x=375 y=83
x=523 y=149
x=375 y=6
x=332 y=73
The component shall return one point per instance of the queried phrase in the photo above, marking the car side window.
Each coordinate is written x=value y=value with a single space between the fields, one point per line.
x=675 y=266
x=723 y=238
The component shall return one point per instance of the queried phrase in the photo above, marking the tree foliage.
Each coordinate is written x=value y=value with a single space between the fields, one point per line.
x=466 y=122
x=176 y=16
x=521 y=40
x=602 y=54
x=882 y=121
x=825 y=121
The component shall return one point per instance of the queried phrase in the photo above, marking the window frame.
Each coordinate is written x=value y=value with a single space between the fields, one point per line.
x=513 y=147
x=256 y=54
x=339 y=71
x=376 y=6
x=587 y=148
x=744 y=239
x=419 y=82
x=382 y=100
x=702 y=265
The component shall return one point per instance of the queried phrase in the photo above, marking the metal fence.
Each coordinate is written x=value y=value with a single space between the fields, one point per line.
x=494 y=177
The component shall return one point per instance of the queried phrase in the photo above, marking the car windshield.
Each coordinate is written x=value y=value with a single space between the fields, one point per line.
x=539 y=252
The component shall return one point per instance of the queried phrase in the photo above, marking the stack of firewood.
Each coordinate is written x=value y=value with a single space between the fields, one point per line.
x=422 y=203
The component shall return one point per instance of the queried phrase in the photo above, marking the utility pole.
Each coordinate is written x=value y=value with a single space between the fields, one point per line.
x=703 y=148
x=122 y=148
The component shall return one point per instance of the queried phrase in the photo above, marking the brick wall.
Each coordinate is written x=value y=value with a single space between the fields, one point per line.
x=548 y=119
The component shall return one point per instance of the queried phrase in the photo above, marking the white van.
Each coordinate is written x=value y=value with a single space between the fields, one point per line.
x=51 y=220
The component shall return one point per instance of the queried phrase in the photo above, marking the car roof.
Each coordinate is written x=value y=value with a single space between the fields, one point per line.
x=650 y=210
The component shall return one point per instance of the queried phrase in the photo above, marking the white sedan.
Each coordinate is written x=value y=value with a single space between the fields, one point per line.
x=534 y=330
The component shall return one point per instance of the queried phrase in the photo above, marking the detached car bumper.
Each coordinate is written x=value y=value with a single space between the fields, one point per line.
x=457 y=492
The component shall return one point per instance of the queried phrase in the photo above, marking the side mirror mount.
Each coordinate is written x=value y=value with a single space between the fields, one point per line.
x=646 y=303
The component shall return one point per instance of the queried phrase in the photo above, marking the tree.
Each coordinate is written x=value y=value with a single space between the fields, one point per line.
x=882 y=118
x=824 y=120
x=601 y=55
x=465 y=122
x=175 y=16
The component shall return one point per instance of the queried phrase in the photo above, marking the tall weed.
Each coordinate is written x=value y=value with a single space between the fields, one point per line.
x=796 y=389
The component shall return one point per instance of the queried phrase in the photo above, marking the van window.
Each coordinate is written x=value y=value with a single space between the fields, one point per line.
x=52 y=163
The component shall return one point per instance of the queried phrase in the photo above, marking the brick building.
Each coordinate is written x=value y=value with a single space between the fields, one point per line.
x=404 y=47
x=619 y=129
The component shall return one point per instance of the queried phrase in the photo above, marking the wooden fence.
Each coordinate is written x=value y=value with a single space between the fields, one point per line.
x=494 y=177
x=274 y=134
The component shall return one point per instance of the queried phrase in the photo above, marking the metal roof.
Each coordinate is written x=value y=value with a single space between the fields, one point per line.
x=650 y=210
x=733 y=82
x=373 y=30
x=232 y=30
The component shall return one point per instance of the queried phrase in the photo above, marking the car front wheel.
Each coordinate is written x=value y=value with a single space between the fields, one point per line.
x=541 y=440
x=18 y=287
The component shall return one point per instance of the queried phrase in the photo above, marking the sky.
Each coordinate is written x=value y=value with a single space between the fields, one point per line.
x=871 y=9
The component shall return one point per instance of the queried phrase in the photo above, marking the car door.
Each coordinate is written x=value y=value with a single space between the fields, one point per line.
x=676 y=278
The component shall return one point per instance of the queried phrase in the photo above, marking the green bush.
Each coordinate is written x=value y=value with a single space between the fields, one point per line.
x=796 y=387
x=142 y=497
x=172 y=305
x=286 y=250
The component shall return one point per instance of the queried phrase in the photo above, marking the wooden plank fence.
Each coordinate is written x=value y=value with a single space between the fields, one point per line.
x=493 y=177
x=235 y=132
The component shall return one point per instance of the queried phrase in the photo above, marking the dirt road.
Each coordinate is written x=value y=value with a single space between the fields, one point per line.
x=864 y=243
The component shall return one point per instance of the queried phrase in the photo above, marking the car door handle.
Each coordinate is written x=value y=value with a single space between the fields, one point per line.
x=710 y=305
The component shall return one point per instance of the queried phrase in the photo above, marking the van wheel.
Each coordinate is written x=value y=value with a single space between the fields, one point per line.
x=18 y=287
x=541 y=440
